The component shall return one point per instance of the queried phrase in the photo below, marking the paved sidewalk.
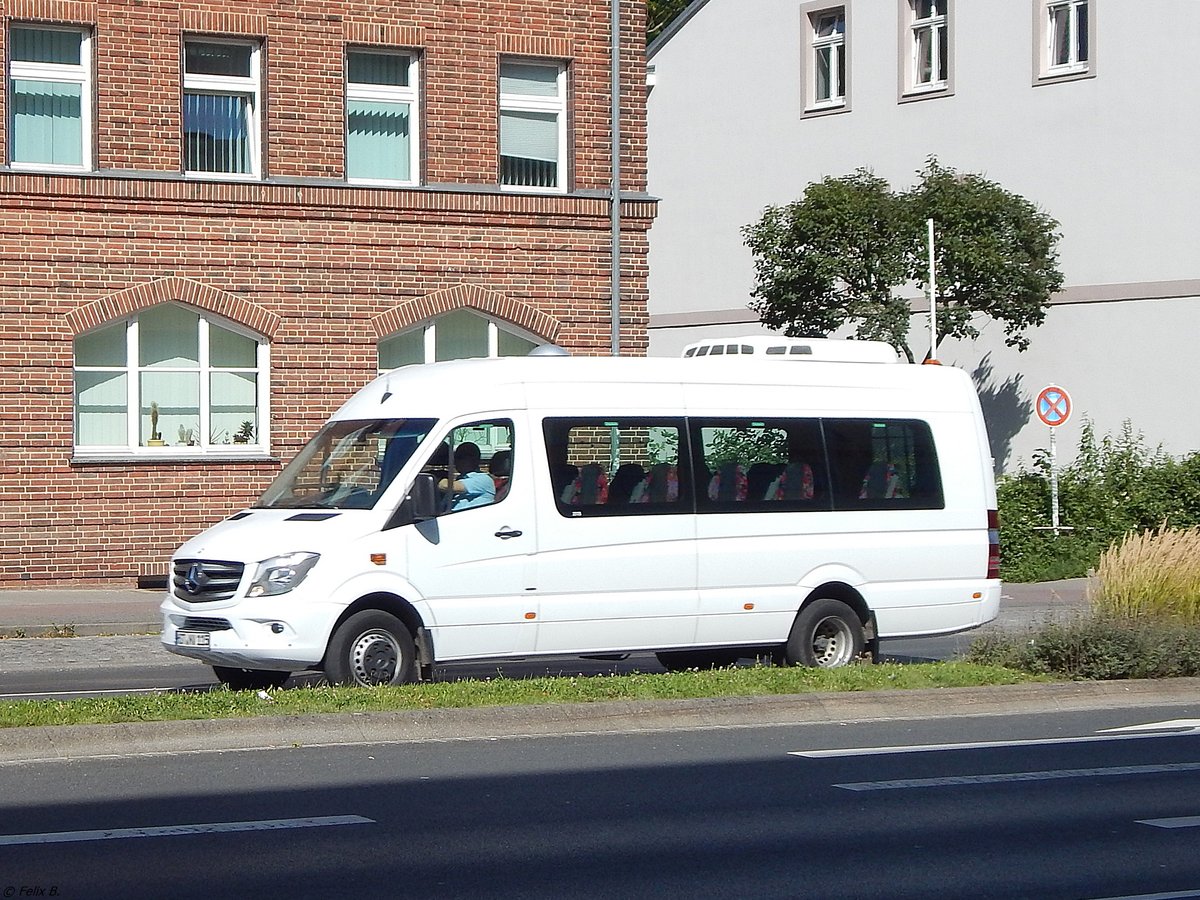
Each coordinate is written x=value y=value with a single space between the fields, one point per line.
x=80 y=611
x=84 y=611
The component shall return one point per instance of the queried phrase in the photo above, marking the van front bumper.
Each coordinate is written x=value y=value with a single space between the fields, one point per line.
x=248 y=634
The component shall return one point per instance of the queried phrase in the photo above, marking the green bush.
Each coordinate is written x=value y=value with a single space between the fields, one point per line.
x=1115 y=486
x=1095 y=649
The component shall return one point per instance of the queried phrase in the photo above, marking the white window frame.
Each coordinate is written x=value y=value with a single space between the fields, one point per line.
x=910 y=33
x=80 y=74
x=249 y=87
x=838 y=44
x=428 y=331
x=526 y=103
x=381 y=93
x=134 y=445
x=1045 y=70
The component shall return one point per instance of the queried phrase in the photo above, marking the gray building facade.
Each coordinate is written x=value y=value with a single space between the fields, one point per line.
x=1088 y=108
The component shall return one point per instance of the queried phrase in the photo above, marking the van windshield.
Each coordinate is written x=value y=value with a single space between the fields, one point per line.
x=347 y=465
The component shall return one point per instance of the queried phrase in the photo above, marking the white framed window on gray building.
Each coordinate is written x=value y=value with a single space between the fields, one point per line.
x=171 y=380
x=222 y=106
x=460 y=334
x=826 y=79
x=382 y=121
x=926 y=48
x=533 y=125
x=1064 y=40
x=50 y=97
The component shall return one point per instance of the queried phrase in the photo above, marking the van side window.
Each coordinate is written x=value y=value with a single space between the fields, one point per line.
x=759 y=465
x=883 y=464
x=606 y=467
x=481 y=453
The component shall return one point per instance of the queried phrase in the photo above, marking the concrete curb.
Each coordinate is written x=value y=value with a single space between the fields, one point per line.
x=50 y=743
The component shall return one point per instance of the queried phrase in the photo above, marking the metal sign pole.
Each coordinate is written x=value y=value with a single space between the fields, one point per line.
x=933 y=339
x=1053 y=482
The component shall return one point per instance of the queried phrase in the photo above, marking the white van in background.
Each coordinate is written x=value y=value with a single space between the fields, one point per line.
x=592 y=506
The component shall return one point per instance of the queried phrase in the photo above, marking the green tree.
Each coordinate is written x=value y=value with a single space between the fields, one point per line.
x=839 y=256
x=659 y=14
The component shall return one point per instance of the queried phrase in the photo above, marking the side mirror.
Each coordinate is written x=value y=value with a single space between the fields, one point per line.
x=420 y=505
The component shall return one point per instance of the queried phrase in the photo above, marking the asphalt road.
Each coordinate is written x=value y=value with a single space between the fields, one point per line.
x=801 y=811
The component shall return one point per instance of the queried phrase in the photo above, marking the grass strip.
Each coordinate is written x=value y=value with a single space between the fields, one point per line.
x=734 y=682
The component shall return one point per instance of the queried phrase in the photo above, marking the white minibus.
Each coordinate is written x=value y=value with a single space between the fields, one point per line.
x=547 y=505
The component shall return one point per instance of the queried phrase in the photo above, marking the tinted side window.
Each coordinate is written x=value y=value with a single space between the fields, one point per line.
x=619 y=466
x=883 y=464
x=759 y=465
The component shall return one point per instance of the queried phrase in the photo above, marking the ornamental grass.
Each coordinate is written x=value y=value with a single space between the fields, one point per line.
x=1150 y=576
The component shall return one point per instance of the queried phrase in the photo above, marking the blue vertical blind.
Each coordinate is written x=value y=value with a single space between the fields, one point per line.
x=216 y=133
x=219 y=103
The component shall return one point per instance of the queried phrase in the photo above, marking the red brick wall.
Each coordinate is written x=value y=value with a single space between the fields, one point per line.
x=319 y=268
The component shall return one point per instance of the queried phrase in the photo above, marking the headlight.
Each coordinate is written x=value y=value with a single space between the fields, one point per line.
x=280 y=574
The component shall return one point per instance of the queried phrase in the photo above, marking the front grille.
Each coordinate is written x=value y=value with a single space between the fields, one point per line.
x=198 y=623
x=205 y=580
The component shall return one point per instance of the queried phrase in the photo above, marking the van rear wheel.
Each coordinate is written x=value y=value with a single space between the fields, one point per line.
x=371 y=648
x=826 y=634
x=250 y=679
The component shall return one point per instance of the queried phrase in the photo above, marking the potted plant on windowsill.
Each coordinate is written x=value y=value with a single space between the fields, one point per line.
x=156 y=438
x=245 y=434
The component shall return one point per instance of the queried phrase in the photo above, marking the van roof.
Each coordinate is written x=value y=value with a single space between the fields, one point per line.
x=660 y=383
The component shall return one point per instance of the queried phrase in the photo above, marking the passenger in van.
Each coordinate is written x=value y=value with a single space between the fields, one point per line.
x=500 y=468
x=471 y=487
x=795 y=482
x=627 y=477
x=661 y=485
x=730 y=482
x=589 y=487
x=882 y=482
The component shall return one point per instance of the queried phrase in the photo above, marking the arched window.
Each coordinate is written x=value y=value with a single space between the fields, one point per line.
x=170 y=379
x=456 y=335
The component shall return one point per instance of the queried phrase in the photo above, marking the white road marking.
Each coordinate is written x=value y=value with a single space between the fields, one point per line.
x=1170 y=895
x=112 y=834
x=1176 y=728
x=1002 y=778
x=1176 y=725
x=1177 y=822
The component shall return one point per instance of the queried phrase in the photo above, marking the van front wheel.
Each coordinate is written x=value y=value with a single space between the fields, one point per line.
x=826 y=634
x=371 y=648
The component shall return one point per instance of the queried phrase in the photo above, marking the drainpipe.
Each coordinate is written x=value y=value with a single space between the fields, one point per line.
x=615 y=187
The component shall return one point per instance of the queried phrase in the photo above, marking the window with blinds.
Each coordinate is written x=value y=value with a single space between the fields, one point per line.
x=221 y=102
x=50 y=91
x=533 y=125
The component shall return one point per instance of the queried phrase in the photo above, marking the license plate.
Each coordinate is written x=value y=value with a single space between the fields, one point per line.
x=191 y=638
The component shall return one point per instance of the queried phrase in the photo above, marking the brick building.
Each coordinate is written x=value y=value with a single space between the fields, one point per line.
x=219 y=219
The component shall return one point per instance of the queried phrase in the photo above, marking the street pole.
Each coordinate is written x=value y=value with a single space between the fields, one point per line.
x=615 y=188
x=933 y=340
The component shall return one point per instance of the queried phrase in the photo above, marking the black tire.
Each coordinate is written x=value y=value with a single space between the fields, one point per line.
x=371 y=648
x=250 y=679
x=682 y=660
x=826 y=634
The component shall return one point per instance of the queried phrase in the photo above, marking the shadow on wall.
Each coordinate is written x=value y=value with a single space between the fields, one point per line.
x=1006 y=409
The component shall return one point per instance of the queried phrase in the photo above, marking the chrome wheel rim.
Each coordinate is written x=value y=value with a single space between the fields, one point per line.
x=375 y=658
x=832 y=643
